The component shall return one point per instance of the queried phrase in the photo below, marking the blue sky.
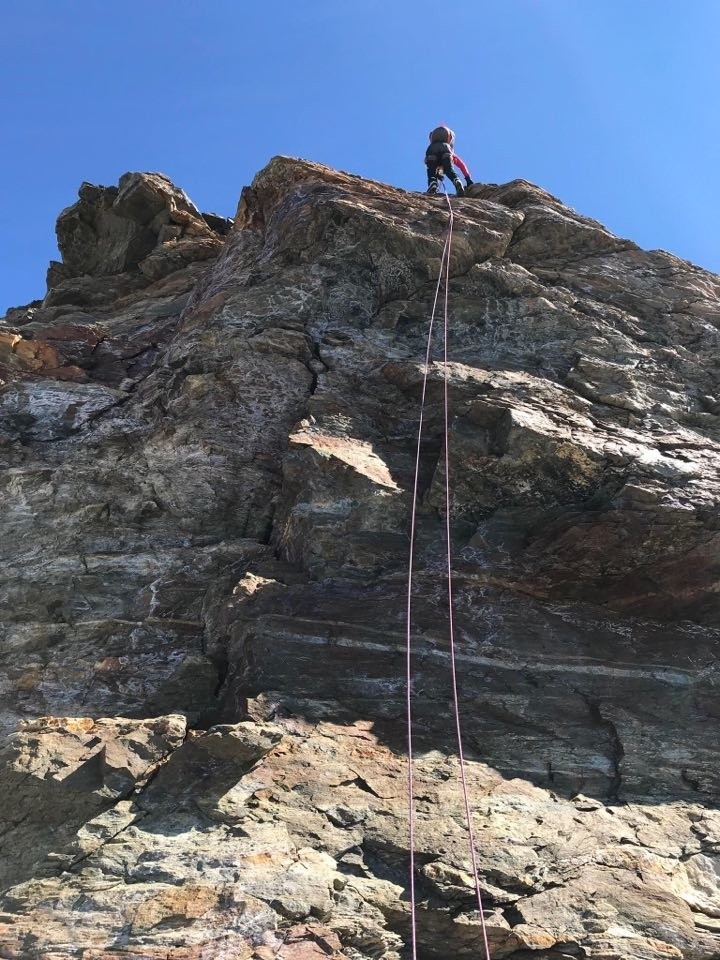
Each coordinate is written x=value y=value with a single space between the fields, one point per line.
x=610 y=104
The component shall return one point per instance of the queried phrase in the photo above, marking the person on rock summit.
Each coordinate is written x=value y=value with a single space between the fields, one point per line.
x=439 y=158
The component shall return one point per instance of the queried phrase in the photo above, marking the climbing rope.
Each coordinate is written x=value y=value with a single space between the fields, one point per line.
x=444 y=274
x=413 y=516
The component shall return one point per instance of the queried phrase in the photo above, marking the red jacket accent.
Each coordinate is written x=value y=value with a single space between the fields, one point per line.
x=461 y=166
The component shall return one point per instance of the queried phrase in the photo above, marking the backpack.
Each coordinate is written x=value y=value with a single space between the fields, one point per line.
x=442 y=135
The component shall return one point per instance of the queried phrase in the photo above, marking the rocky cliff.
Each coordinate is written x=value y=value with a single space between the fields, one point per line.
x=207 y=438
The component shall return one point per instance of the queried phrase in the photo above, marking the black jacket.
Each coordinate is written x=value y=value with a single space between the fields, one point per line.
x=438 y=150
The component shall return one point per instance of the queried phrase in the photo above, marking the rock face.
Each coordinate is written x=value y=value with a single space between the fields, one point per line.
x=207 y=439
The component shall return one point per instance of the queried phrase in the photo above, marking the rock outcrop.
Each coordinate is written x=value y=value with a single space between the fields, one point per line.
x=207 y=440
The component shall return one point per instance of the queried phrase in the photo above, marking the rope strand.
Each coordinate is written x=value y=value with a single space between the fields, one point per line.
x=411 y=774
x=451 y=623
x=444 y=274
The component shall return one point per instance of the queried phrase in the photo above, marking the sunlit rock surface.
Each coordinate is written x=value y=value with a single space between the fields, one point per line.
x=207 y=441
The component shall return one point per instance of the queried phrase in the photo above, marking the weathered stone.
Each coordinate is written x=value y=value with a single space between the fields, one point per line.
x=60 y=775
x=208 y=452
x=111 y=229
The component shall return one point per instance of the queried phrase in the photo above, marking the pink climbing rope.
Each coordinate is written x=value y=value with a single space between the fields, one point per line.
x=413 y=516
x=444 y=272
x=451 y=623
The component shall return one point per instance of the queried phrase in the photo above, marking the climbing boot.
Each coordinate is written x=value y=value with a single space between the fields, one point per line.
x=433 y=187
x=459 y=189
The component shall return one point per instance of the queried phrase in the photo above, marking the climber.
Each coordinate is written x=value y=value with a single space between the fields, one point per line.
x=439 y=159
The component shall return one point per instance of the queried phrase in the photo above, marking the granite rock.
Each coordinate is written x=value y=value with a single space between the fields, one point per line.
x=208 y=447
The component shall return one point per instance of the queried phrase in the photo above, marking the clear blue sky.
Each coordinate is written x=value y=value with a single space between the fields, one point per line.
x=610 y=104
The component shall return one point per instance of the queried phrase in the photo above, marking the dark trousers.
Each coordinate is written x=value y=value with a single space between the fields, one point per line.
x=435 y=158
